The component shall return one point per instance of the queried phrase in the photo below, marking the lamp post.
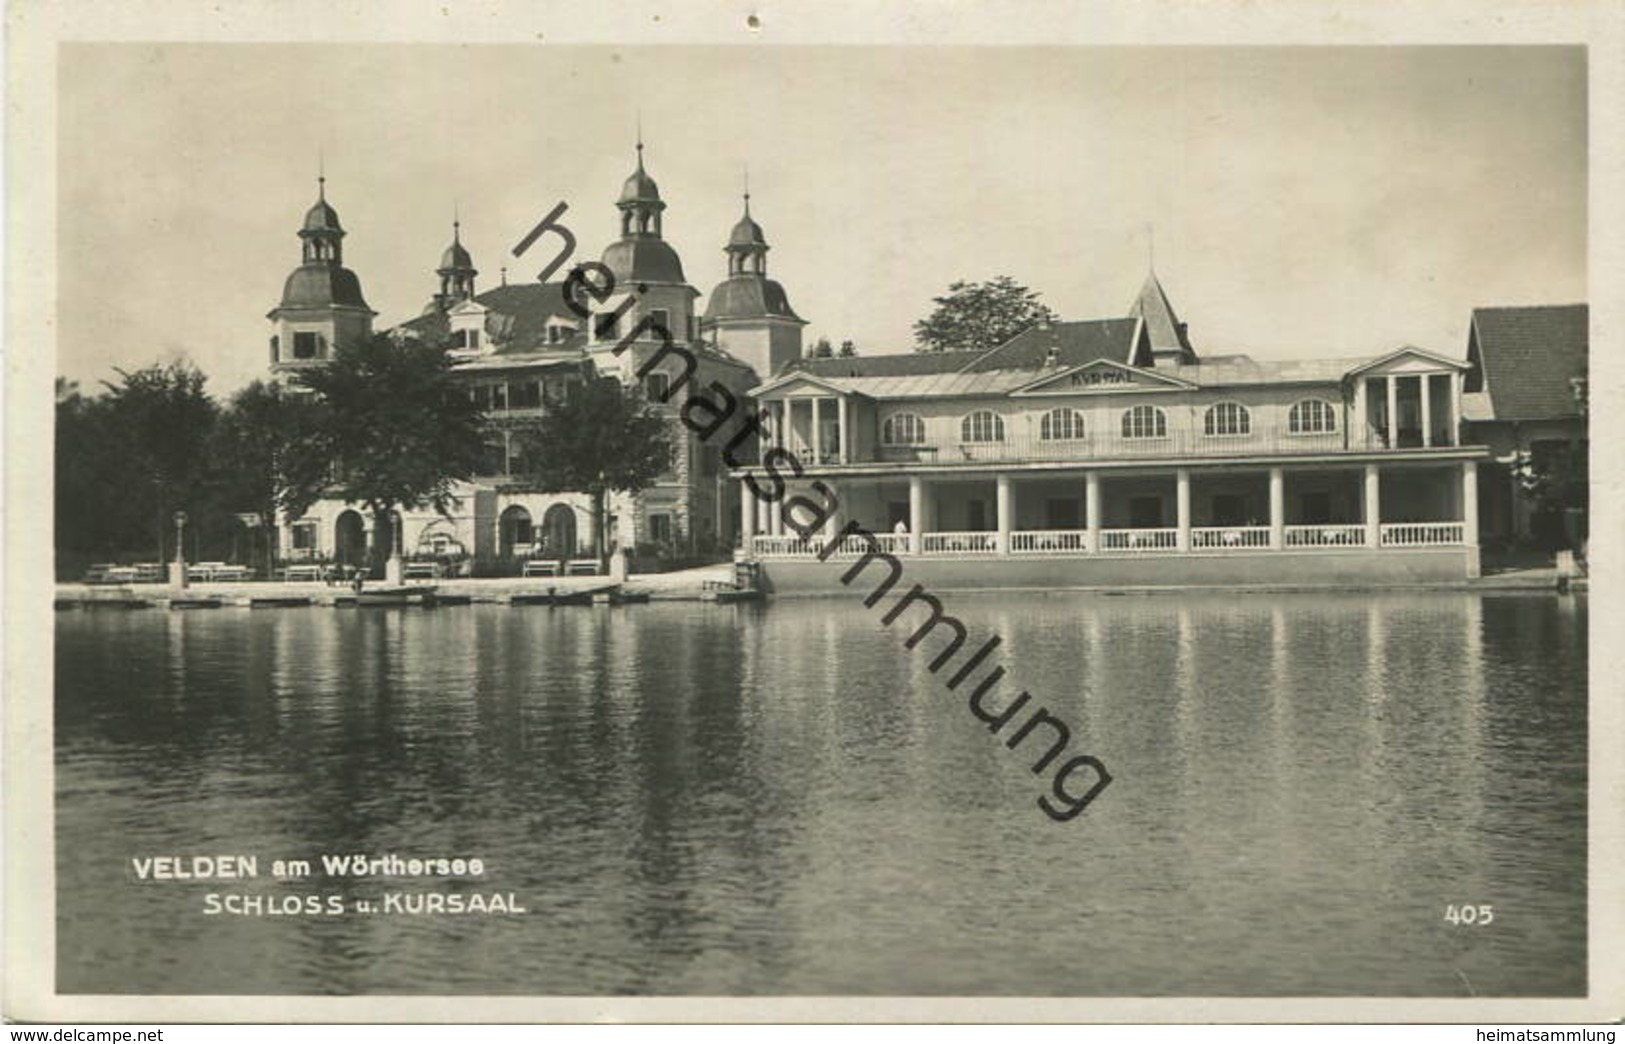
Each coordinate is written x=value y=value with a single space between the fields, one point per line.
x=177 y=568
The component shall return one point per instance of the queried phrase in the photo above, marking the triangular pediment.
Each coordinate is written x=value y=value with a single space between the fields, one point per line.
x=1100 y=377
x=1406 y=360
x=792 y=384
x=466 y=307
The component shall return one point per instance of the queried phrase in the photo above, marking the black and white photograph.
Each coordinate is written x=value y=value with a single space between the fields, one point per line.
x=868 y=512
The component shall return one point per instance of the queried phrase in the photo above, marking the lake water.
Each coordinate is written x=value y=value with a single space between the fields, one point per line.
x=698 y=799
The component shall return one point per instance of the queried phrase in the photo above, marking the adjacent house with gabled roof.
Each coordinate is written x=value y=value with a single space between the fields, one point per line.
x=1525 y=398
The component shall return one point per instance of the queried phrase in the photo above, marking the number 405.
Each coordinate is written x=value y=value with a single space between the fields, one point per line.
x=1469 y=914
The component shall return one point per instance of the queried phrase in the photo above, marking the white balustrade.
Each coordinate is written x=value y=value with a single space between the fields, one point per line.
x=1339 y=535
x=1422 y=534
x=1229 y=538
x=1139 y=539
x=1049 y=541
x=964 y=543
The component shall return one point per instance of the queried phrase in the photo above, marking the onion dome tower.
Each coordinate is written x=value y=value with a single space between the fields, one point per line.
x=322 y=305
x=748 y=314
x=646 y=268
x=456 y=272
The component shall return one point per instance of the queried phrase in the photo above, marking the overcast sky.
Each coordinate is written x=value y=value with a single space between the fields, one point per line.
x=1306 y=201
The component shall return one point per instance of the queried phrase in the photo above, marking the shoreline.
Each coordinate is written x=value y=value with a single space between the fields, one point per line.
x=700 y=585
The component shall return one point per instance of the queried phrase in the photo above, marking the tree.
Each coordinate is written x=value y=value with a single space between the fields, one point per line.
x=602 y=439
x=258 y=431
x=980 y=316
x=157 y=425
x=389 y=428
x=820 y=349
x=1555 y=478
x=848 y=349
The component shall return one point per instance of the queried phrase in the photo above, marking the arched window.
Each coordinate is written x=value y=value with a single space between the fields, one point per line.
x=1060 y=424
x=903 y=429
x=1145 y=422
x=982 y=426
x=1227 y=418
x=1311 y=417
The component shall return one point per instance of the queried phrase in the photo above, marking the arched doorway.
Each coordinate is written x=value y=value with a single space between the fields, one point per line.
x=559 y=531
x=350 y=539
x=515 y=535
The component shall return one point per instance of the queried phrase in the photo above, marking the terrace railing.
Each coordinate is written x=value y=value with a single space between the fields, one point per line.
x=1049 y=541
x=1032 y=542
x=1342 y=534
x=1150 y=540
x=1110 y=446
x=1422 y=534
x=1230 y=538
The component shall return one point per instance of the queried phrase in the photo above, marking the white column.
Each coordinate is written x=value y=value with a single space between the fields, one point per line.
x=1360 y=426
x=1091 y=508
x=1425 y=383
x=916 y=514
x=817 y=433
x=1455 y=409
x=1277 y=508
x=1373 y=507
x=1469 y=501
x=775 y=515
x=1469 y=515
x=1182 y=507
x=832 y=525
x=840 y=426
x=747 y=517
x=1393 y=412
x=1004 y=514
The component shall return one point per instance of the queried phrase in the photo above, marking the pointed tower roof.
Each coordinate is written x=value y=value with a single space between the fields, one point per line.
x=1166 y=332
x=321 y=217
x=640 y=187
x=456 y=257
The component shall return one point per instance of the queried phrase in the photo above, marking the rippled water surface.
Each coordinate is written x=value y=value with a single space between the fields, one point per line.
x=780 y=800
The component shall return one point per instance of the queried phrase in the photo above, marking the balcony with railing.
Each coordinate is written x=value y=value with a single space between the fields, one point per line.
x=1146 y=541
x=1176 y=443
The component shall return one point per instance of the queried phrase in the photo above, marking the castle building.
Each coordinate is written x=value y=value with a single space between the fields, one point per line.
x=520 y=347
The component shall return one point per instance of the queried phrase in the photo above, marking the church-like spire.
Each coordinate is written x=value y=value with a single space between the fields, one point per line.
x=322 y=234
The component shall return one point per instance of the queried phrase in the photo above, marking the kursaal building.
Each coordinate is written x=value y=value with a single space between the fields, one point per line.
x=1105 y=451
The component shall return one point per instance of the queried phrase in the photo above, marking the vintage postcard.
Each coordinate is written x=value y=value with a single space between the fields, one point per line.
x=950 y=512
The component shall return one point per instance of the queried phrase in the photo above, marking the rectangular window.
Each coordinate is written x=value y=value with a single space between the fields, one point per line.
x=304 y=536
x=473 y=338
x=660 y=528
x=306 y=345
x=657 y=387
x=608 y=326
x=661 y=318
x=525 y=395
x=499 y=396
x=494 y=460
